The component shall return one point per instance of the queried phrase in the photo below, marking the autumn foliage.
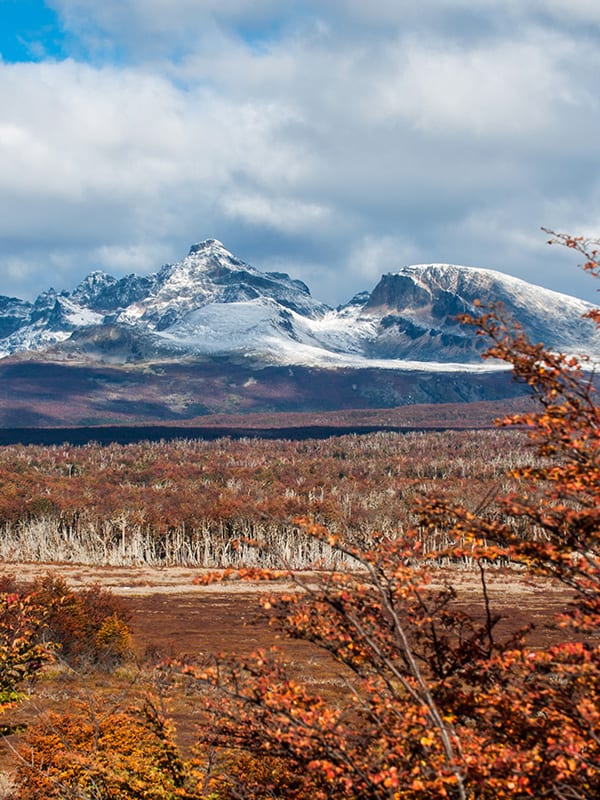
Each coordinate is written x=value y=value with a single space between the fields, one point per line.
x=83 y=629
x=194 y=502
x=95 y=751
x=89 y=627
x=22 y=654
x=437 y=704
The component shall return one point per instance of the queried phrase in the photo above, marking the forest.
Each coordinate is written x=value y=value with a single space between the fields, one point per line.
x=193 y=502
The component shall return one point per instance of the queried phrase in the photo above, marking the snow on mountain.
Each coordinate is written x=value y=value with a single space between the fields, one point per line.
x=262 y=330
x=102 y=293
x=48 y=321
x=211 y=274
x=13 y=315
x=212 y=303
x=416 y=310
x=262 y=327
x=223 y=328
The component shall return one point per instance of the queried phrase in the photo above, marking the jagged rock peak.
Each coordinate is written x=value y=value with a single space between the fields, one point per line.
x=449 y=277
x=97 y=276
x=421 y=284
x=359 y=299
x=93 y=283
x=207 y=245
x=207 y=258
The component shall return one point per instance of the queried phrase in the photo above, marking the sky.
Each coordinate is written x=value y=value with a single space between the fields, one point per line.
x=335 y=140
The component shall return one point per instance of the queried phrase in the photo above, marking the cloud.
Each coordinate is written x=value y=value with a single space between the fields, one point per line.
x=158 y=15
x=375 y=255
x=110 y=154
x=585 y=12
x=152 y=29
x=502 y=92
x=332 y=141
x=280 y=213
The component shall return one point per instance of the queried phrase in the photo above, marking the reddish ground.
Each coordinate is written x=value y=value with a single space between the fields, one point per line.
x=173 y=614
x=173 y=617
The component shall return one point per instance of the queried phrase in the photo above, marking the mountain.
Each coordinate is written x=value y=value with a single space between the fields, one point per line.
x=212 y=303
x=178 y=310
x=234 y=338
x=416 y=310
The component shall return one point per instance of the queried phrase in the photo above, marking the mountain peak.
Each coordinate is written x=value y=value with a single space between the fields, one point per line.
x=419 y=305
x=93 y=283
x=206 y=246
x=467 y=281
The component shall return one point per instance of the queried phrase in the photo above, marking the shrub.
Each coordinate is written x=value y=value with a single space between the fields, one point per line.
x=90 y=625
x=91 y=752
x=88 y=628
x=113 y=642
x=21 y=653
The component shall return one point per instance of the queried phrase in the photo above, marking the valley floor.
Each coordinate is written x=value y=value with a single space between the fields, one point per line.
x=171 y=617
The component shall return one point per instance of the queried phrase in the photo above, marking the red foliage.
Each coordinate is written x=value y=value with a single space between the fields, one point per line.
x=85 y=628
x=89 y=626
x=190 y=500
x=21 y=653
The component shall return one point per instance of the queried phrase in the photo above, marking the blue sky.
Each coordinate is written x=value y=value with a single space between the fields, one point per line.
x=332 y=139
x=30 y=30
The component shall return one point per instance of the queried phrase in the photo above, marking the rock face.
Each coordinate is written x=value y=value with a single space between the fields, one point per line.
x=210 y=274
x=212 y=304
x=104 y=294
x=13 y=314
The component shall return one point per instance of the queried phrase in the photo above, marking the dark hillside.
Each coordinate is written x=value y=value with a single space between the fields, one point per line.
x=37 y=393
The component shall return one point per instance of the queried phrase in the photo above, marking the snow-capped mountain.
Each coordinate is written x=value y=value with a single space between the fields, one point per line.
x=147 y=308
x=211 y=275
x=416 y=310
x=213 y=304
x=35 y=326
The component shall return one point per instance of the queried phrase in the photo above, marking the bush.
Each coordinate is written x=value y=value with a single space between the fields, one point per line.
x=91 y=752
x=88 y=628
x=22 y=655
x=90 y=625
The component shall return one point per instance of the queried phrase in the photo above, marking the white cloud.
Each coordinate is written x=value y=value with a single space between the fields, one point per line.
x=75 y=134
x=506 y=89
x=374 y=255
x=276 y=212
x=366 y=133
